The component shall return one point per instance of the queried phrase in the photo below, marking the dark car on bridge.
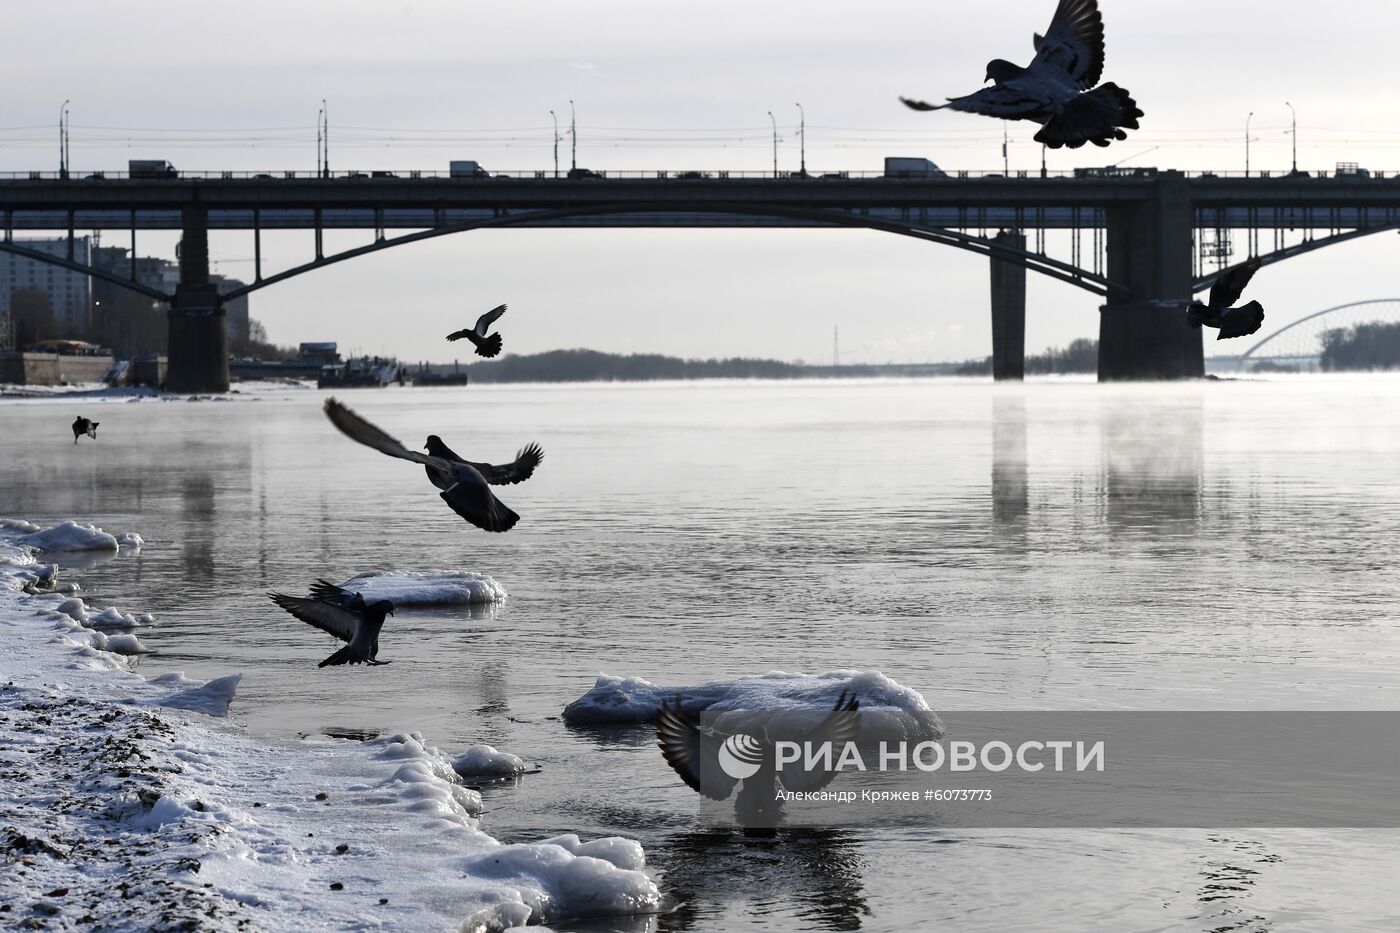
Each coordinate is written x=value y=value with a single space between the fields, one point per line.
x=584 y=173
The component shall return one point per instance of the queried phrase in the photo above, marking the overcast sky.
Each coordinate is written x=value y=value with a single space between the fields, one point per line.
x=668 y=85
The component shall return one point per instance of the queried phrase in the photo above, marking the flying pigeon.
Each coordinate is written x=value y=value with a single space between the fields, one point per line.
x=1055 y=89
x=505 y=474
x=83 y=426
x=343 y=614
x=463 y=487
x=485 y=346
x=704 y=757
x=1233 y=322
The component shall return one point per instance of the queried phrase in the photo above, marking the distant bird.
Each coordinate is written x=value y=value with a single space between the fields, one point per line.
x=1233 y=322
x=485 y=346
x=708 y=759
x=83 y=426
x=505 y=474
x=463 y=487
x=343 y=614
x=1052 y=89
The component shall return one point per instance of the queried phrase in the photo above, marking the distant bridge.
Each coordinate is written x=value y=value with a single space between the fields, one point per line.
x=1299 y=344
x=1143 y=240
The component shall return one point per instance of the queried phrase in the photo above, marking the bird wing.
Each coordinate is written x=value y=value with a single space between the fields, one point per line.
x=327 y=617
x=1230 y=286
x=1010 y=100
x=361 y=431
x=692 y=752
x=471 y=498
x=1241 y=321
x=328 y=592
x=483 y=322
x=508 y=474
x=841 y=726
x=1073 y=44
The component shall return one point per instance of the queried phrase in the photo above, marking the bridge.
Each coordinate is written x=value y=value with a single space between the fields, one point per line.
x=1142 y=241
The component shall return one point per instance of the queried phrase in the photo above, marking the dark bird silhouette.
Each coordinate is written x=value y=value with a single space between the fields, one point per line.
x=1055 y=89
x=343 y=614
x=487 y=346
x=699 y=754
x=1217 y=312
x=505 y=474
x=83 y=426
x=463 y=487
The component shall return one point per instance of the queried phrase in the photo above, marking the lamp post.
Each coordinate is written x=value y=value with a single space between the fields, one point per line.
x=556 y=143
x=63 y=140
x=1295 y=136
x=775 y=143
x=1246 y=143
x=325 y=140
x=573 y=138
x=802 y=137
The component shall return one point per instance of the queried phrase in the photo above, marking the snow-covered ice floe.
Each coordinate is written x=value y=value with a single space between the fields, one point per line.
x=426 y=587
x=180 y=821
x=484 y=762
x=72 y=536
x=888 y=711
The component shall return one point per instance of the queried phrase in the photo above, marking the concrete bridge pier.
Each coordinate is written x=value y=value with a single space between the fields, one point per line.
x=1144 y=333
x=198 y=345
x=1009 y=311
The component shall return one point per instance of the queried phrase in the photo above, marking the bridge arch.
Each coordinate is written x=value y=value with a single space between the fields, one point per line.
x=1254 y=350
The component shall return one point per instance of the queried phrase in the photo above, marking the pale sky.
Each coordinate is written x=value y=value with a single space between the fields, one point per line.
x=665 y=85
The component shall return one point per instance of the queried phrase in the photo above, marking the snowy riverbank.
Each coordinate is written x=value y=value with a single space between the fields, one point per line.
x=124 y=802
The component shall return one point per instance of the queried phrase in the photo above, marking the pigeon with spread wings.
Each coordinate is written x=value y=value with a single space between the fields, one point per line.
x=463 y=488
x=343 y=614
x=1057 y=89
x=1218 y=311
x=486 y=345
x=708 y=759
x=504 y=474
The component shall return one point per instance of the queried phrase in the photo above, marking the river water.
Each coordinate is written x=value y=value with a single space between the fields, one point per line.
x=1057 y=546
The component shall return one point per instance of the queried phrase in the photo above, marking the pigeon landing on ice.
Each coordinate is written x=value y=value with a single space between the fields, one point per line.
x=343 y=614
x=1057 y=88
x=83 y=426
x=487 y=346
x=707 y=758
x=1217 y=312
x=463 y=487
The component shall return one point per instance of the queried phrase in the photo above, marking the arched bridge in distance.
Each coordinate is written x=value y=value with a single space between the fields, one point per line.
x=1299 y=345
x=1142 y=241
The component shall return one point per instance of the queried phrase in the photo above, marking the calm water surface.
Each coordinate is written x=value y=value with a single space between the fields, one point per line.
x=1057 y=546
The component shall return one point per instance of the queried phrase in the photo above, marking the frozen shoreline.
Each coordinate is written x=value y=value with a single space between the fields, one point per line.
x=124 y=804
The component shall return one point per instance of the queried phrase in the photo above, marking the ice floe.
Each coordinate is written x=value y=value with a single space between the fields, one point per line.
x=73 y=536
x=426 y=587
x=888 y=711
x=484 y=762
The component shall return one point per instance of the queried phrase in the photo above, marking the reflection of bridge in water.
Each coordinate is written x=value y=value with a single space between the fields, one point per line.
x=1143 y=242
x=1298 y=346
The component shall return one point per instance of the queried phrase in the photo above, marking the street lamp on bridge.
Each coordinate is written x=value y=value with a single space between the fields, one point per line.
x=573 y=139
x=802 y=137
x=63 y=140
x=556 y=143
x=1246 y=143
x=775 y=143
x=1295 y=136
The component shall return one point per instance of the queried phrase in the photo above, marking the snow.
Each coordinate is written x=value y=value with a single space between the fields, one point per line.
x=888 y=711
x=426 y=587
x=72 y=536
x=182 y=821
x=484 y=762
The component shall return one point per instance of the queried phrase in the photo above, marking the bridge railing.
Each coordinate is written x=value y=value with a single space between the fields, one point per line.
x=382 y=175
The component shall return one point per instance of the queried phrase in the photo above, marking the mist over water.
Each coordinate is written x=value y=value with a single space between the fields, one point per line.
x=1060 y=545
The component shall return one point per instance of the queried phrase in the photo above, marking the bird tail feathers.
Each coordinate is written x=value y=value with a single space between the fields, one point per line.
x=340 y=657
x=1242 y=321
x=489 y=346
x=1098 y=117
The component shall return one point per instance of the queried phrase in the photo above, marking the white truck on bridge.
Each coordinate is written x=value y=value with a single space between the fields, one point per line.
x=899 y=167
